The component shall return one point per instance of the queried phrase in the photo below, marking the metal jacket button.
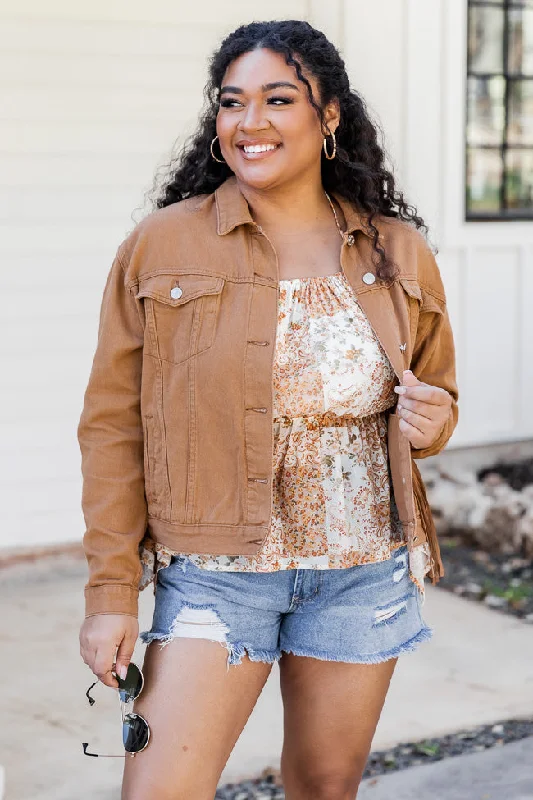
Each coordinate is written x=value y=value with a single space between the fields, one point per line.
x=176 y=292
x=369 y=277
x=350 y=239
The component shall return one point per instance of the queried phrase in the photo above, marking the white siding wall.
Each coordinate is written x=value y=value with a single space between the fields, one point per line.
x=93 y=96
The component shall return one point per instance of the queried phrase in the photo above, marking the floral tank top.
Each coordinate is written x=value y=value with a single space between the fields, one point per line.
x=333 y=505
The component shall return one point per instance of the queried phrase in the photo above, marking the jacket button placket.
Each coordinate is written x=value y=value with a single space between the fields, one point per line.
x=261 y=337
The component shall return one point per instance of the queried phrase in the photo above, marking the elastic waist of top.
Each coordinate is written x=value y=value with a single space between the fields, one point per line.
x=326 y=420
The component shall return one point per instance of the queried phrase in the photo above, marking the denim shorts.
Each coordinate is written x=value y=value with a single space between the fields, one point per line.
x=362 y=614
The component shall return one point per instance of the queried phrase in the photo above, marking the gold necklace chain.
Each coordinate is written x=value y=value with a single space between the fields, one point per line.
x=341 y=232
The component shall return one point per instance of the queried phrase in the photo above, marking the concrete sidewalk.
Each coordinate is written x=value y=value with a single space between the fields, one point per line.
x=500 y=773
x=478 y=668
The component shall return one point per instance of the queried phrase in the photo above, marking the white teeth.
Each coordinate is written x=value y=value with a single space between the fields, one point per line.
x=259 y=148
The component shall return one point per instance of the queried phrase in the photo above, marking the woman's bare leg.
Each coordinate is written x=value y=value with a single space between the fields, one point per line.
x=196 y=710
x=331 y=711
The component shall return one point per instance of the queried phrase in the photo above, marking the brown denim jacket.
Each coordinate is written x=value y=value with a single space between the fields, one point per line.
x=176 y=430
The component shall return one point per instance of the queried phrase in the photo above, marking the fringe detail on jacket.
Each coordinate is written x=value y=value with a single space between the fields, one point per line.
x=436 y=569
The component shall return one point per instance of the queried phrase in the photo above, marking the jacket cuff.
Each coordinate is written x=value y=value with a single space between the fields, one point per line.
x=111 y=599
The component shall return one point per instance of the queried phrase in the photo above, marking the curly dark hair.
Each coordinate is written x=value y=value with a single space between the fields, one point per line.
x=358 y=172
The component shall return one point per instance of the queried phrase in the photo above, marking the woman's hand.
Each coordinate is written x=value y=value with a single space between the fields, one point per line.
x=424 y=410
x=100 y=636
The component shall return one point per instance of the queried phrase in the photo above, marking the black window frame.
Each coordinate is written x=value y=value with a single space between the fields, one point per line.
x=505 y=214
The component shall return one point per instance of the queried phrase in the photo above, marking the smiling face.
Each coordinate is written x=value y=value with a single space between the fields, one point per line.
x=269 y=132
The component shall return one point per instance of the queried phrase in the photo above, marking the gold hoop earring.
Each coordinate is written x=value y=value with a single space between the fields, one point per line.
x=212 y=153
x=332 y=156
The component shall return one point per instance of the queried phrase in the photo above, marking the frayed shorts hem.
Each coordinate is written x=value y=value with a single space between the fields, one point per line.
x=372 y=658
x=236 y=650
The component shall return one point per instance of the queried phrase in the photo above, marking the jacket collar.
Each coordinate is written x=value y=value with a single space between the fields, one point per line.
x=233 y=209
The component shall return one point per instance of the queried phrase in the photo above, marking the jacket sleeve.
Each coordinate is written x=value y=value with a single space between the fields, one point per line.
x=433 y=359
x=110 y=436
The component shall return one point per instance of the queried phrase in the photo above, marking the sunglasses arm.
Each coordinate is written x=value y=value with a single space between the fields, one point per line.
x=85 y=745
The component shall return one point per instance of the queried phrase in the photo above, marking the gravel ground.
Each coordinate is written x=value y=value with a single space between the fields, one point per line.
x=517 y=474
x=502 y=582
x=406 y=754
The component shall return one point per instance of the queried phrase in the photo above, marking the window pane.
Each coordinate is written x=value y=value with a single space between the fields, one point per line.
x=520 y=126
x=485 y=39
x=520 y=180
x=521 y=41
x=484 y=176
x=523 y=3
x=486 y=115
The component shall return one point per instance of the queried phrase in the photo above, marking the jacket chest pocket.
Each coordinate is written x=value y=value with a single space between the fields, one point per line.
x=181 y=313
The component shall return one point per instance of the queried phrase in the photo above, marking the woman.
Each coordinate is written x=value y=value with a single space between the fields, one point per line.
x=241 y=438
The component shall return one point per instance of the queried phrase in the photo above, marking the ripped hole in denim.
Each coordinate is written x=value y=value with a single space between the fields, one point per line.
x=203 y=622
x=384 y=615
x=400 y=559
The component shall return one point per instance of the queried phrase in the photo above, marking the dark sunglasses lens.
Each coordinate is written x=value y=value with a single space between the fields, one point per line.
x=135 y=733
x=131 y=686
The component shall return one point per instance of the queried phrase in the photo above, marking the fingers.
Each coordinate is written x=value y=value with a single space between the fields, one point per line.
x=125 y=653
x=417 y=439
x=420 y=431
x=107 y=678
x=415 y=435
x=411 y=409
x=427 y=417
x=421 y=423
x=432 y=395
x=100 y=660
x=423 y=410
x=103 y=667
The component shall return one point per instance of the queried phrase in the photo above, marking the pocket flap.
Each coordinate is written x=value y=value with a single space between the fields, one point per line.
x=411 y=286
x=164 y=288
x=432 y=303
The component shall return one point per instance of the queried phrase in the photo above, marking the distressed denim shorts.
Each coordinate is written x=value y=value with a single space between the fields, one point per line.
x=362 y=614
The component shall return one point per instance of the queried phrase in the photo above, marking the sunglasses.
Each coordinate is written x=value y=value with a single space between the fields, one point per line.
x=135 y=729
